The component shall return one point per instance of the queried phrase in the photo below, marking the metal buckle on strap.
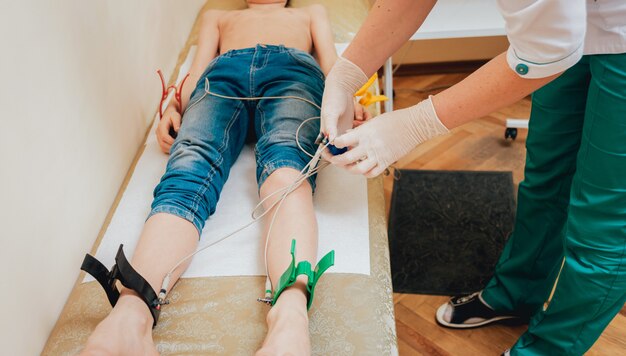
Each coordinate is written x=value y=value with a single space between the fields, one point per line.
x=126 y=274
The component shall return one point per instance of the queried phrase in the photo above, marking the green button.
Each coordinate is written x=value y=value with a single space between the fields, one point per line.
x=521 y=68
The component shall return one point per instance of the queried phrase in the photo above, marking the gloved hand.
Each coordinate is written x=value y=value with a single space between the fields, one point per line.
x=344 y=79
x=383 y=140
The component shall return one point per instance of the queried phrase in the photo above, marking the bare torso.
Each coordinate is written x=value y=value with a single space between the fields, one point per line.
x=246 y=28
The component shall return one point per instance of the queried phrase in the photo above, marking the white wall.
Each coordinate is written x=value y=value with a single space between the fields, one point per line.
x=78 y=88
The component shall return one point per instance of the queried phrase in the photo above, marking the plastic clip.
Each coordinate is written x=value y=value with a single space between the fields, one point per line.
x=289 y=277
x=366 y=98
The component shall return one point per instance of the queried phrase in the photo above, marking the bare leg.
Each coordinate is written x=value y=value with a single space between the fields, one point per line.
x=127 y=330
x=288 y=321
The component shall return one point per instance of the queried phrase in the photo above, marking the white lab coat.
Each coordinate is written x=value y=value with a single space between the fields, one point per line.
x=549 y=36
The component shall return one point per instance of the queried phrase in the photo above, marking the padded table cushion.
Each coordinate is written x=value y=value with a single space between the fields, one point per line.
x=352 y=314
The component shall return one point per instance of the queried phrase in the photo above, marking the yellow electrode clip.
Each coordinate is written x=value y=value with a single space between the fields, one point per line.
x=366 y=98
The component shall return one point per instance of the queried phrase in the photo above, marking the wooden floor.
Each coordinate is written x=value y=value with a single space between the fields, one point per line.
x=478 y=145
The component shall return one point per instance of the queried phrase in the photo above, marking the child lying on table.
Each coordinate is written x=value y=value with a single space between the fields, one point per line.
x=264 y=50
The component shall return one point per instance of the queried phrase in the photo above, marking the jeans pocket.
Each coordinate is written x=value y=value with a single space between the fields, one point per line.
x=197 y=95
x=306 y=60
x=210 y=66
x=199 y=91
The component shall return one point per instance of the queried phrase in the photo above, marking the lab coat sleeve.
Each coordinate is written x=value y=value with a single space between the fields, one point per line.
x=546 y=36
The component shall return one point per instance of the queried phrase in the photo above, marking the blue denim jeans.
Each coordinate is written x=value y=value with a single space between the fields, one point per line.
x=214 y=130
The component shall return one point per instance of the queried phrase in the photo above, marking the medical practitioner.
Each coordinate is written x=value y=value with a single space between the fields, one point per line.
x=564 y=266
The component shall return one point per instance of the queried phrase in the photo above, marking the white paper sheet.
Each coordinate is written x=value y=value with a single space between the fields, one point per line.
x=340 y=203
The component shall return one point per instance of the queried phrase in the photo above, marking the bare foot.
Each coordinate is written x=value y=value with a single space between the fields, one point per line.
x=127 y=330
x=288 y=324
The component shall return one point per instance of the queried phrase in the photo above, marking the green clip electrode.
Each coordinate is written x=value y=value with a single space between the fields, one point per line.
x=289 y=277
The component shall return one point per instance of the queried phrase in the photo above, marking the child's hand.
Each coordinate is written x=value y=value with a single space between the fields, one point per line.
x=171 y=120
x=360 y=115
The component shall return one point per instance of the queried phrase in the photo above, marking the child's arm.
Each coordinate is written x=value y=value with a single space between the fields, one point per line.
x=322 y=34
x=208 y=45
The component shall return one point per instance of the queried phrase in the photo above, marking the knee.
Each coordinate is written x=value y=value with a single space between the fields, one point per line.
x=281 y=177
x=284 y=177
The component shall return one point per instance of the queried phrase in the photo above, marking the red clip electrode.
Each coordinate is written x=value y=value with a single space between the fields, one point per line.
x=166 y=90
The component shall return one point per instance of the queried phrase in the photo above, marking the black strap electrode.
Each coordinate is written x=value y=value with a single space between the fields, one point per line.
x=126 y=274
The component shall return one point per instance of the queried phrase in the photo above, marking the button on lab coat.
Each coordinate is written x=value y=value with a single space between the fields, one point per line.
x=549 y=36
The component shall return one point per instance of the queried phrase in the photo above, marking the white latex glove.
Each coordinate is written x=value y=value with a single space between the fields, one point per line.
x=344 y=79
x=386 y=138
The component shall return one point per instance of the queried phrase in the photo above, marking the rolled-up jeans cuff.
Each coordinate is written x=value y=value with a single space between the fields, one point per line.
x=270 y=167
x=181 y=213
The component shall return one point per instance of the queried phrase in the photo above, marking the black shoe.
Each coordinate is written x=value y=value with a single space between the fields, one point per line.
x=470 y=311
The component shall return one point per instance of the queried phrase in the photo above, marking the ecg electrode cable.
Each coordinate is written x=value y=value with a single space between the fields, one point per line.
x=310 y=169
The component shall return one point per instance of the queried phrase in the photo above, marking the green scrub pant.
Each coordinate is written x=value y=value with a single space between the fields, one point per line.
x=565 y=263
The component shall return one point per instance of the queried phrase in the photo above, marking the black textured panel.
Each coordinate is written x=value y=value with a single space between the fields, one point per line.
x=447 y=229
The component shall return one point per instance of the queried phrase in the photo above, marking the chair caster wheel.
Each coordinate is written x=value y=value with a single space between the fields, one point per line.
x=510 y=132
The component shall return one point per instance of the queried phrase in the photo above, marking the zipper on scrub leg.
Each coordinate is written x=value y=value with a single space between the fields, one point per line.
x=556 y=282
